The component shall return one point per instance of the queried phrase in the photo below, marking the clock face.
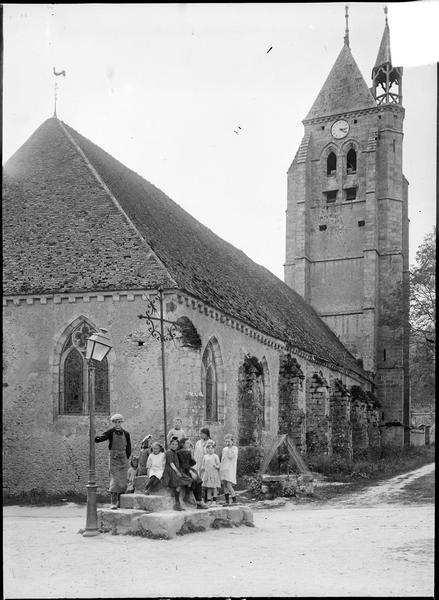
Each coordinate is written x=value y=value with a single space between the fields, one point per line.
x=340 y=129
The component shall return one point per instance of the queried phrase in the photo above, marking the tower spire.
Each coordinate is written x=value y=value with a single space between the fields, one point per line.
x=386 y=78
x=346 y=33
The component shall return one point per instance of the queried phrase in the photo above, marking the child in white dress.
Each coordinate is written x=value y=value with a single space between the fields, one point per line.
x=155 y=465
x=210 y=466
x=229 y=461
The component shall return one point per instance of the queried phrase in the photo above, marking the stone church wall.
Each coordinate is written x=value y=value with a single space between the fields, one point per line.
x=47 y=452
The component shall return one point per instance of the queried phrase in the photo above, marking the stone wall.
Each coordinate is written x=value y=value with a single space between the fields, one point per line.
x=318 y=424
x=36 y=435
x=340 y=411
x=291 y=414
x=45 y=451
x=359 y=421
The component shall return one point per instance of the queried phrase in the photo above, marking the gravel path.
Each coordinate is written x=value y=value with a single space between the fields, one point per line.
x=369 y=544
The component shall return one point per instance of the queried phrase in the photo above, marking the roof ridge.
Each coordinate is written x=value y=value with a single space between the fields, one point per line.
x=112 y=196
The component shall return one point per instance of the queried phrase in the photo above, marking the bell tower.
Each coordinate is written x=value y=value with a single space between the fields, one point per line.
x=347 y=221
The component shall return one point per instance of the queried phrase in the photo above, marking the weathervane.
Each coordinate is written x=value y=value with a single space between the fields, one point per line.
x=346 y=34
x=55 y=87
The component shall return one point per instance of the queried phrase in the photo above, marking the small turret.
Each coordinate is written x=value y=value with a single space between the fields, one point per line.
x=387 y=80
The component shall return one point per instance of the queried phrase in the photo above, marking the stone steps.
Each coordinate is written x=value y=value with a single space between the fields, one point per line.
x=150 y=503
x=168 y=524
x=152 y=515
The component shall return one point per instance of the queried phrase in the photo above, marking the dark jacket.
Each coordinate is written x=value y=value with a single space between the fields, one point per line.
x=108 y=435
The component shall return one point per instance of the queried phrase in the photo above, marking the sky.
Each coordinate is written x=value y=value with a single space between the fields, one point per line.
x=206 y=100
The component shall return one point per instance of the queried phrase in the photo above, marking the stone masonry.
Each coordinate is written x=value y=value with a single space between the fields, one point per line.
x=318 y=424
x=340 y=410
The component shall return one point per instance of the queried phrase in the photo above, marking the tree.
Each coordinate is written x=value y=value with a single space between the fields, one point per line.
x=423 y=324
x=423 y=290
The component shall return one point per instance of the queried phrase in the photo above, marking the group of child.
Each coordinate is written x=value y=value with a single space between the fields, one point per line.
x=184 y=467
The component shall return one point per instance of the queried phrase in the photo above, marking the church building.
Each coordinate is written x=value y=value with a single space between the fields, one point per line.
x=347 y=221
x=90 y=244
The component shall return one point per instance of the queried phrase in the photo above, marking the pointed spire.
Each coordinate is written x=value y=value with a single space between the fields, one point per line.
x=384 y=51
x=346 y=34
x=344 y=89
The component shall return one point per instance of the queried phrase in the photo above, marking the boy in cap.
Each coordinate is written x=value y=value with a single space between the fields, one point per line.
x=119 y=444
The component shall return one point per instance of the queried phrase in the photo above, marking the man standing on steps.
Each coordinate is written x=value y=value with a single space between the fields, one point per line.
x=119 y=444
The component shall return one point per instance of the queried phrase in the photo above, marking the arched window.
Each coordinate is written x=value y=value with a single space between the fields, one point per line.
x=331 y=164
x=73 y=383
x=351 y=161
x=211 y=395
x=212 y=383
x=74 y=376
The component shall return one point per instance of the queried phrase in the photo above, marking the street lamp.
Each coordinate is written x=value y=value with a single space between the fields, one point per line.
x=172 y=332
x=98 y=346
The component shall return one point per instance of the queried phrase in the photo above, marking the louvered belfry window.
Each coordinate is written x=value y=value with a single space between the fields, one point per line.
x=74 y=376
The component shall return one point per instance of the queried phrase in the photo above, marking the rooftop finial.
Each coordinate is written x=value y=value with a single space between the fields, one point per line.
x=55 y=88
x=386 y=10
x=346 y=33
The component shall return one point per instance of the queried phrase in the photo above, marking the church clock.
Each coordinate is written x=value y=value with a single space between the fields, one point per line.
x=340 y=129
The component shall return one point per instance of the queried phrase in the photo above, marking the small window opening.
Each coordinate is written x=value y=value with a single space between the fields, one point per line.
x=351 y=161
x=379 y=116
x=331 y=196
x=384 y=355
x=393 y=145
x=351 y=194
x=355 y=121
x=322 y=227
x=323 y=127
x=382 y=416
x=361 y=223
x=331 y=164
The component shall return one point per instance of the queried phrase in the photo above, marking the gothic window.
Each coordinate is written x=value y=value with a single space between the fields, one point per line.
x=351 y=161
x=74 y=375
x=102 y=394
x=73 y=383
x=211 y=396
x=212 y=382
x=331 y=164
x=209 y=382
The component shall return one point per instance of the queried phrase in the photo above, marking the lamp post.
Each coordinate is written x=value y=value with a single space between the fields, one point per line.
x=98 y=346
x=162 y=336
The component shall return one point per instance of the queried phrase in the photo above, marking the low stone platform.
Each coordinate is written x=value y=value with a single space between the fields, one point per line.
x=168 y=524
x=150 y=503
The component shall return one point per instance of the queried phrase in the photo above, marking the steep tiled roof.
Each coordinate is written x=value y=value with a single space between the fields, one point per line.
x=344 y=89
x=63 y=232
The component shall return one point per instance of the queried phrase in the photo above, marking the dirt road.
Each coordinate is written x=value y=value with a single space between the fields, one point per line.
x=375 y=543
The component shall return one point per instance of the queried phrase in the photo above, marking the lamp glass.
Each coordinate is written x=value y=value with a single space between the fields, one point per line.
x=98 y=346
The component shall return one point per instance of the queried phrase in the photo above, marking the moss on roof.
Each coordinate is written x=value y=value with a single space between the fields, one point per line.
x=194 y=258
